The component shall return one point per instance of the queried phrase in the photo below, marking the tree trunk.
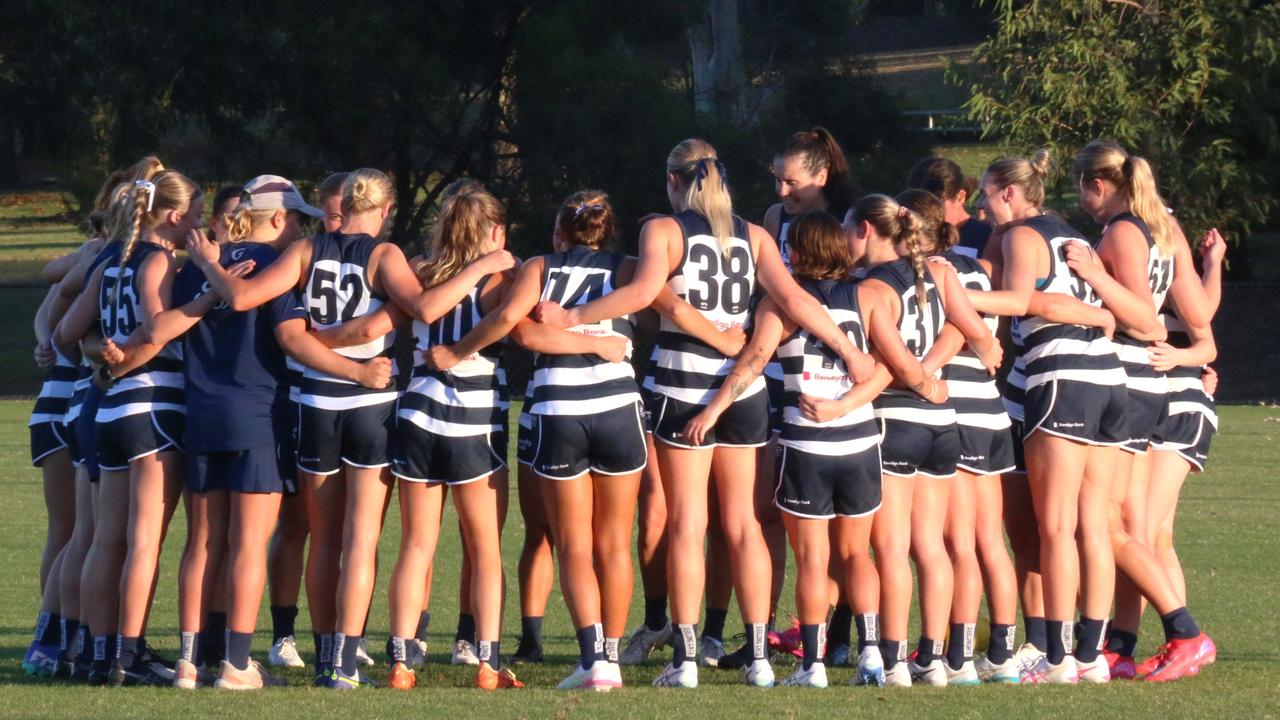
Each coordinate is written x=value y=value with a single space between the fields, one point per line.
x=719 y=78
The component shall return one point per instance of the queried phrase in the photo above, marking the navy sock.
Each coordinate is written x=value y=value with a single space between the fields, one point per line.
x=960 y=644
x=1089 y=639
x=324 y=649
x=424 y=624
x=1059 y=640
x=868 y=625
x=1179 y=625
x=840 y=629
x=1000 y=647
x=927 y=650
x=466 y=628
x=757 y=640
x=1122 y=642
x=48 y=626
x=127 y=651
x=396 y=650
x=238 y=649
x=1037 y=633
x=714 y=626
x=814 y=641
x=893 y=652
x=590 y=644
x=684 y=646
x=213 y=639
x=282 y=619
x=345 y=657
x=531 y=630
x=487 y=651
x=655 y=612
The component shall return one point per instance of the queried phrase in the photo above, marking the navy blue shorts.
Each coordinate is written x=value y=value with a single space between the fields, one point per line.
x=255 y=470
x=606 y=443
x=1189 y=434
x=744 y=424
x=775 y=388
x=1145 y=412
x=909 y=448
x=47 y=438
x=824 y=486
x=360 y=437
x=1080 y=411
x=525 y=444
x=123 y=440
x=984 y=451
x=427 y=457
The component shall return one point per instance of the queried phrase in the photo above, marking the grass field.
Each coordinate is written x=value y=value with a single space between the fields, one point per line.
x=1227 y=536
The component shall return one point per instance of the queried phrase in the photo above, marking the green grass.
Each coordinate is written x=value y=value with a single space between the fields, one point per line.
x=1227 y=537
x=35 y=227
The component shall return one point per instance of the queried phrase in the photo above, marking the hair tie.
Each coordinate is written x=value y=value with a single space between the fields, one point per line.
x=583 y=208
x=701 y=170
x=903 y=211
x=149 y=188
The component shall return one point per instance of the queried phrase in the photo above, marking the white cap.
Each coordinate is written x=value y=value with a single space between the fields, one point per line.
x=272 y=192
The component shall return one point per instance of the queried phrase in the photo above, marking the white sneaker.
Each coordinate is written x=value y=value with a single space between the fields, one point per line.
x=284 y=653
x=966 y=675
x=870 y=668
x=417 y=652
x=362 y=654
x=1064 y=673
x=898 y=675
x=186 y=676
x=1096 y=672
x=1030 y=660
x=464 y=654
x=603 y=676
x=642 y=642
x=710 y=652
x=934 y=674
x=814 y=677
x=760 y=674
x=685 y=676
x=1005 y=672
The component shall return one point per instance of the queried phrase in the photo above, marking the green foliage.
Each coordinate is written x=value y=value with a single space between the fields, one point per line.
x=1190 y=85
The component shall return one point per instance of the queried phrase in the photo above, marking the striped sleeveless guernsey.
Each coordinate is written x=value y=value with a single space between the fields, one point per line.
x=466 y=400
x=55 y=392
x=1133 y=352
x=156 y=385
x=973 y=392
x=773 y=368
x=719 y=286
x=1054 y=351
x=338 y=290
x=84 y=371
x=918 y=326
x=1186 y=389
x=812 y=368
x=583 y=384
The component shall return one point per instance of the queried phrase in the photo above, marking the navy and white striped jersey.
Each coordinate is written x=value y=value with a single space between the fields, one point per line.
x=337 y=290
x=471 y=397
x=84 y=371
x=55 y=392
x=812 y=368
x=919 y=325
x=719 y=285
x=1054 y=351
x=1186 y=389
x=156 y=385
x=583 y=384
x=1131 y=351
x=973 y=392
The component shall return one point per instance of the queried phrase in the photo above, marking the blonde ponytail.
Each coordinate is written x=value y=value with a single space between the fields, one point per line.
x=146 y=204
x=899 y=224
x=1030 y=175
x=242 y=221
x=706 y=186
x=1132 y=177
x=465 y=223
x=366 y=189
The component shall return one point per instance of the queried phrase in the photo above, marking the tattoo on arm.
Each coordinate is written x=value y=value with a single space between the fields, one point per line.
x=740 y=385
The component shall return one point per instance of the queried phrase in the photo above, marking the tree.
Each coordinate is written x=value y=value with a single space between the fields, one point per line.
x=1189 y=85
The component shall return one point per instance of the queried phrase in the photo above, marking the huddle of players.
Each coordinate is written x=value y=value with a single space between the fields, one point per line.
x=831 y=371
